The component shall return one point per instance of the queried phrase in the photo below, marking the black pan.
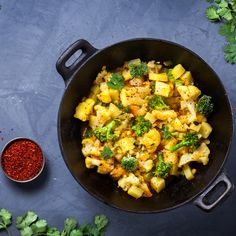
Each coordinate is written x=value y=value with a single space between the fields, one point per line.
x=79 y=77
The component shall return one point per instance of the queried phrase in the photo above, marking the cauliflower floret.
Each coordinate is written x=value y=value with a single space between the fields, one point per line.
x=134 y=95
x=126 y=182
x=90 y=147
x=126 y=144
x=201 y=155
x=151 y=140
x=91 y=162
x=189 y=92
x=84 y=109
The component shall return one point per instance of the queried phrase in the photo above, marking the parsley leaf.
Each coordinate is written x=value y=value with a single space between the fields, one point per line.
x=107 y=153
x=230 y=53
x=116 y=82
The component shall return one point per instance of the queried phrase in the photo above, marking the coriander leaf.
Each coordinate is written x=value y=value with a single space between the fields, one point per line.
x=53 y=232
x=107 y=153
x=2 y=226
x=230 y=53
x=228 y=30
x=138 y=70
x=116 y=81
x=86 y=229
x=26 y=231
x=40 y=226
x=101 y=222
x=5 y=215
x=225 y=13
x=211 y=13
x=26 y=220
x=166 y=133
x=76 y=232
x=69 y=225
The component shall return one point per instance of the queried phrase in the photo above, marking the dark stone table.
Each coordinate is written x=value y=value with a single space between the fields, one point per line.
x=33 y=33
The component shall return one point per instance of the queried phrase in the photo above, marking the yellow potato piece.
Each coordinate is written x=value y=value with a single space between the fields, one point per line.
x=162 y=89
x=135 y=192
x=157 y=184
x=84 y=109
x=177 y=71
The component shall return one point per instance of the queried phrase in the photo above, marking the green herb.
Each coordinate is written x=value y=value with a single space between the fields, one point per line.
x=116 y=82
x=225 y=12
x=88 y=133
x=166 y=133
x=138 y=70
x=156 y=102
x=5 y=220
x=107 y=153
x=162 y=168
x=170 y=76
x=29 y=225
x=129 y=163
x=121 y=107
x=141 y=125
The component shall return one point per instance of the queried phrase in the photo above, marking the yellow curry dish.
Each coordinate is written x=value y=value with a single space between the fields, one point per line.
x=145 y=122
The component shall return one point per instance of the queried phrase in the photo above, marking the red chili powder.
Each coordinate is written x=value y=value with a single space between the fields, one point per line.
x=22 y=160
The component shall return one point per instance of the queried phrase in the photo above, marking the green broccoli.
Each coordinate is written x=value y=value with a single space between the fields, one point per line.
x=116 y=82
x=141 y=126
x=205 y=105
x=162 y=168
x=190 y=140
x=138 y=70
x=156 y=102
x=166 y=133
x=129 y=163
x=106 y=133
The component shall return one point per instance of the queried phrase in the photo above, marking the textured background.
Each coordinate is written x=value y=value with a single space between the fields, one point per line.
x=33 y=33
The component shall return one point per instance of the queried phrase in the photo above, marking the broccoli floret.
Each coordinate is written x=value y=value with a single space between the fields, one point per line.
x=129 y=163
x=162 y=168
x=138 y=70
x=106 y=133
x=116 y=82
x=156 y=102
x=190 y=140
x=205 y=105
x=141 y=126
x=166 y=133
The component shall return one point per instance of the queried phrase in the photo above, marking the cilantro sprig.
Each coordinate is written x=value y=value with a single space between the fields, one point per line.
x=224 y=11
x=30 y=225
x=116 y=81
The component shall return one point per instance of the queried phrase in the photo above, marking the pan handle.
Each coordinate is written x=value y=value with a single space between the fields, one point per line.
x=86 y=51
x=229 y=187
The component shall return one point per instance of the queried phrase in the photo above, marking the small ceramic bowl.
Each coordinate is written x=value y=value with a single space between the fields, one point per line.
x=26 y=144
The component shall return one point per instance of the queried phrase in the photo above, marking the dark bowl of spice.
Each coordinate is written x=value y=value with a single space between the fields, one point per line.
x=22 y=160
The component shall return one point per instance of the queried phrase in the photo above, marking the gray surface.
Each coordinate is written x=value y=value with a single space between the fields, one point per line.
x=33 y=33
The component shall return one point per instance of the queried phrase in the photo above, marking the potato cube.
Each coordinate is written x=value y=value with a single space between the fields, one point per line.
x=158 y=77
x=165 y=114
x=126 y=144
x=115 y=111
x=126 y=74
x=189 y=92
x=148 y=165
x=187 y=78
x=157 y=184
x=162 y=89
x=135 y=192
x=114 y=94
x=177 y=71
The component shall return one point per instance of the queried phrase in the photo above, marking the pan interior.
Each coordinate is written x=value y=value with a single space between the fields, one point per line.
x=179 y=190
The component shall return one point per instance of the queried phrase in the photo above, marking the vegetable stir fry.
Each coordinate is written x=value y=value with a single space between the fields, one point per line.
x=146 y=122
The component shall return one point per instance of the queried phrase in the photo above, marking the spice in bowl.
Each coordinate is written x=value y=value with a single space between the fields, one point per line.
x=22 y=160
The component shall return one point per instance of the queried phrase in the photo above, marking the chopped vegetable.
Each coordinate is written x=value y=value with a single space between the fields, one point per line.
x=116 y=82
x=5 y=220
x=106 y=133
x=156 y=102
x=141 y=126
x=166 y=133
x=107 y=152
x=190 y=140
x=138 y=70
x=129 y=163
x=205 y=105
x=162 y=168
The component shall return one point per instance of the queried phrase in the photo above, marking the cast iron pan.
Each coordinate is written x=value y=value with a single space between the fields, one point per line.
x=78 y=78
